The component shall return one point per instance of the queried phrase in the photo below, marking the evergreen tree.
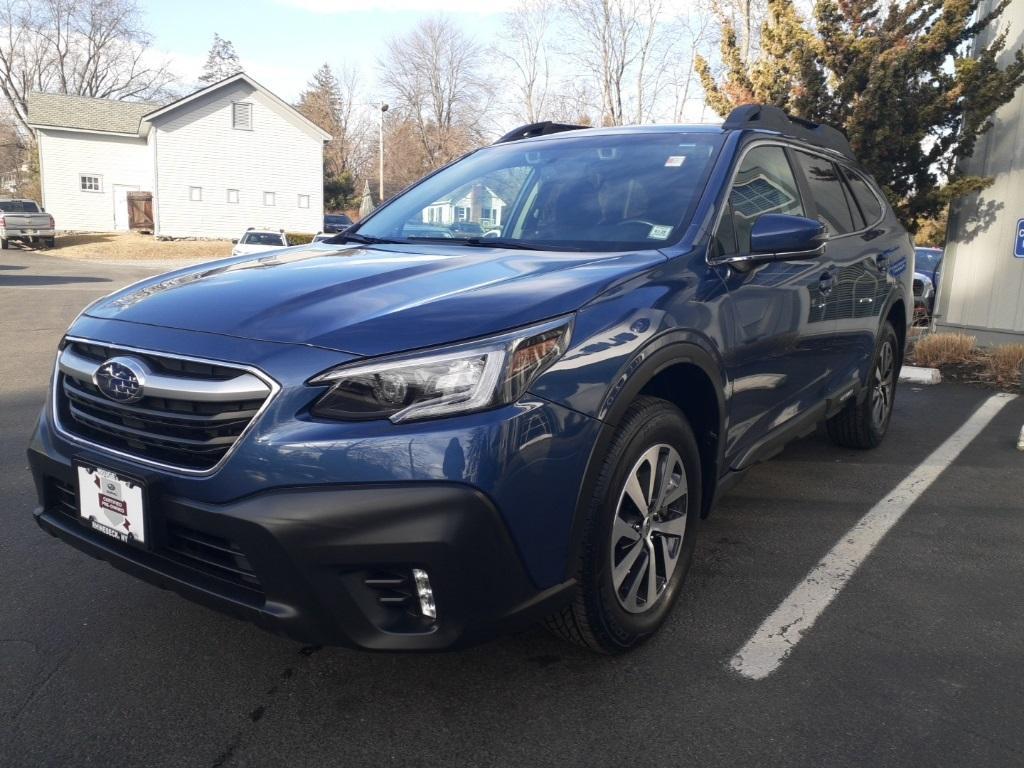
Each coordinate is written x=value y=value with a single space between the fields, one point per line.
x=322 y=103
x=221 y=61
x=912 y=83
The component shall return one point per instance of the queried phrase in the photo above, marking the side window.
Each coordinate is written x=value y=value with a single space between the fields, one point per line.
x=764 y=184
x=865 y=197
x=826 y=187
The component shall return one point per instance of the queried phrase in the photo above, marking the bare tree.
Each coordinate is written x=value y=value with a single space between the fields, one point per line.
x=695 y=30
x=433 y=76
x=525 y=51
x=622 y=45
x=84 y=47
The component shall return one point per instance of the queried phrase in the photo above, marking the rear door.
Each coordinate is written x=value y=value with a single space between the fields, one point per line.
x=775 y=327
x=860 y=265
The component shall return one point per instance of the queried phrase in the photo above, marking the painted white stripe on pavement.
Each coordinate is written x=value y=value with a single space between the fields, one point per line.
x=778 y=635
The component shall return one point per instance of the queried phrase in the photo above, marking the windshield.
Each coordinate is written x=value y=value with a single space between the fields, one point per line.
x=262 y=238
x=597 y=193
x=18 y=206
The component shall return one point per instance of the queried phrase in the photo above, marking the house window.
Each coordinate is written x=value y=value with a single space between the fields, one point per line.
x=195 y=194
x=90 y=183
x=232 y=195
x=241 y=116
x=268 y=198
x=303 y=201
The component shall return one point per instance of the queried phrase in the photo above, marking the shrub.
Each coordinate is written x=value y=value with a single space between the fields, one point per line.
x=940 y=349
x=1005 y=364
x=299 y=238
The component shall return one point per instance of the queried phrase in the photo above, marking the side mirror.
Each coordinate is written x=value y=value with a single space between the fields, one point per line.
x=777 y=236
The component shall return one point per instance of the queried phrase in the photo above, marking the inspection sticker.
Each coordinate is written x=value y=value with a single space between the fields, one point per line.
x=675 y=161
x=659 y=232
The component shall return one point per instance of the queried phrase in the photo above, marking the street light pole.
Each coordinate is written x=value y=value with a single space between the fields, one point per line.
x=380 y=175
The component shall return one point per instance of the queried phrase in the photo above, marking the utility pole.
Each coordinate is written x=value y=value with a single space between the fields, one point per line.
x=383 y=108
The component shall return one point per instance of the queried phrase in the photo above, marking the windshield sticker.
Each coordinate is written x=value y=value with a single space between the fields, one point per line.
x=675 y=161
x=659 y=232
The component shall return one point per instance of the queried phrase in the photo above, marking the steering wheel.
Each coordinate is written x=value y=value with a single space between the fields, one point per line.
x=627 y=222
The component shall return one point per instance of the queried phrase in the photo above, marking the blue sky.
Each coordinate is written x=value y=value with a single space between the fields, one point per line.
x=281 y=42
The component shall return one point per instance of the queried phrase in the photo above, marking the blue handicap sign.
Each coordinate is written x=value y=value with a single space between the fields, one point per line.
x=1018 y=240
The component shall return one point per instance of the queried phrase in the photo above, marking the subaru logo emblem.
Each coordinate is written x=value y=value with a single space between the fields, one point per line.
x=121 y=379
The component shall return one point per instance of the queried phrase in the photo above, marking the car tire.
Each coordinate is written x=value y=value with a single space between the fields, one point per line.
x=50 y=242
x=4 y=243
x=864 y=421
x=613 y=611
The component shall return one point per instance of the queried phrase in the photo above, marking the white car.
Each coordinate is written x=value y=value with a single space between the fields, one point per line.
x=259 y=240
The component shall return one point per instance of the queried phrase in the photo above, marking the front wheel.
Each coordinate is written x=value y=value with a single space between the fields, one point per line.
x=863 y=423
x=639 y=531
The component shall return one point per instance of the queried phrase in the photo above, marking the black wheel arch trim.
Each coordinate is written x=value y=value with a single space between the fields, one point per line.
x=659 y=354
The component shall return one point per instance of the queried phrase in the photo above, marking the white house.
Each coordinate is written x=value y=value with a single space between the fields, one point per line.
x=229 y=156
x=478 y=204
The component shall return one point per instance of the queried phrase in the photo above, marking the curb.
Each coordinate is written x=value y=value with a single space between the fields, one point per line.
x=911 y=374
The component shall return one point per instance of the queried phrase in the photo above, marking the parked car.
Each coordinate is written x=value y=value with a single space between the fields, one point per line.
x=467 y=228
x=928 y=270
x=24 y=221
x=259 y=240
x=414 y=445
x=415 y=230
x=336 y=222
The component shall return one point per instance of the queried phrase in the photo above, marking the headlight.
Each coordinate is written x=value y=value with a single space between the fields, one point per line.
x=459 y=379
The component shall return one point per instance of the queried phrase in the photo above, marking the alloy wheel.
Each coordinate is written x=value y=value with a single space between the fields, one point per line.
x=648 y=529
x=884 y=384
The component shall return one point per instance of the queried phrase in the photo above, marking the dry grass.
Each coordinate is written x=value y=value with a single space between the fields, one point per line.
x=939 y=349
x=1004 y=364
x=130 y=246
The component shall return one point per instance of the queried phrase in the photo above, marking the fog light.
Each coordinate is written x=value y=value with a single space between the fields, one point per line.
x=425 y=593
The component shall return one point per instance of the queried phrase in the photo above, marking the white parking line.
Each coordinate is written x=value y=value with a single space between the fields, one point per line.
x=778 y=635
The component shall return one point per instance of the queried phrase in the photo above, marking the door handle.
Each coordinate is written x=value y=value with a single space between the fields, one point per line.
x=826 y=283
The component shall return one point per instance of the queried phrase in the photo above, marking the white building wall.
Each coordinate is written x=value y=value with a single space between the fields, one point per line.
x=65 y=155
x=982 y=284
x=196 y=146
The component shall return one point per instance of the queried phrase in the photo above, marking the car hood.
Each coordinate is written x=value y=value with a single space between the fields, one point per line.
x=375 y=299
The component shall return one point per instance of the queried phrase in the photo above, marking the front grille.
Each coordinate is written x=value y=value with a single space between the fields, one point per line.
x=211 y=555
x=176 y=427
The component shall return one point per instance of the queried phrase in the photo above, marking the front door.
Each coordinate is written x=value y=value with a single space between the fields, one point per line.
x=121 y=205
x=776 y=327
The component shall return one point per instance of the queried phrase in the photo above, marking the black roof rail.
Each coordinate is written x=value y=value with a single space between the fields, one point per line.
x=769 y=118
x=537 y=129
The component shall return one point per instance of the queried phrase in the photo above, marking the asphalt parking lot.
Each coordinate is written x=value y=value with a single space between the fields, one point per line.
x=916 y=661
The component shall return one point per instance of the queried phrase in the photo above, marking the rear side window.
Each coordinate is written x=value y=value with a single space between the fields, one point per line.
x=866 y=199
x=764 y=183
x=826 y=187
x=18 y=206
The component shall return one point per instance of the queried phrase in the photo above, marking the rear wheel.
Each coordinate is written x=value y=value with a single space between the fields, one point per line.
x=864 y=424
x=4 y=243
x=639 y=532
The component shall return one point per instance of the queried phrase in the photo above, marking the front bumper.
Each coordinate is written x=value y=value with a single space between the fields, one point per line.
x=323 y=564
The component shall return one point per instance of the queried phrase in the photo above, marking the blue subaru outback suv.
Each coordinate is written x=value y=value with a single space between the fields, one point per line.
x=422 y=433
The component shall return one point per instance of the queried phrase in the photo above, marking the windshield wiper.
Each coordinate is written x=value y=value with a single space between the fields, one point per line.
x=355 y=237
x=519 y=245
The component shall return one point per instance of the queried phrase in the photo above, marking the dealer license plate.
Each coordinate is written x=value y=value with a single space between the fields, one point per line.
x=112 y=504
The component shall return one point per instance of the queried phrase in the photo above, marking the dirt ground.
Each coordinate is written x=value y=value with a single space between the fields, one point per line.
x=130 y=246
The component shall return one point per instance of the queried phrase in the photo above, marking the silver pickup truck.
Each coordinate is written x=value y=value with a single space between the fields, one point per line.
x=25 y=221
